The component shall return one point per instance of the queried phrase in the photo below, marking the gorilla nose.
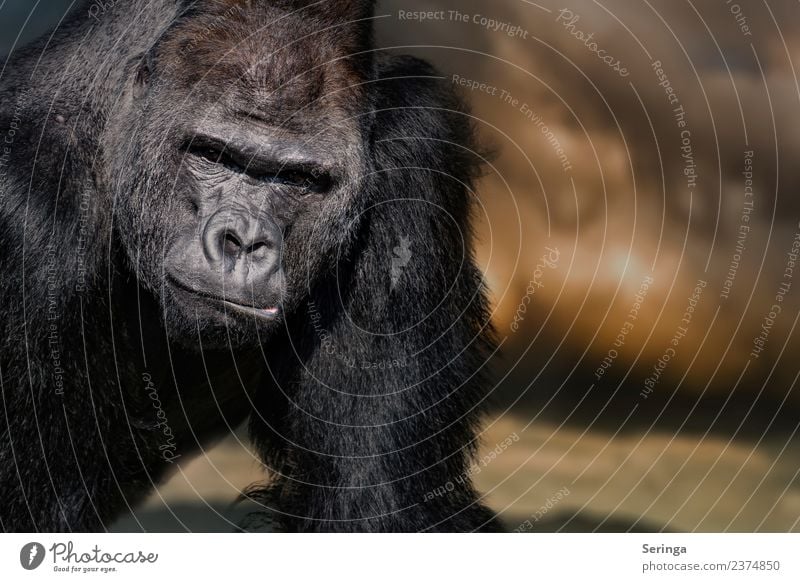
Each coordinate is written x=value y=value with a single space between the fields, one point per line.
x=242 y=246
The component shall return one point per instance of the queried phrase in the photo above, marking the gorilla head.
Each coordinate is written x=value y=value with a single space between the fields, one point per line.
x=244 y=145
x=247 y=175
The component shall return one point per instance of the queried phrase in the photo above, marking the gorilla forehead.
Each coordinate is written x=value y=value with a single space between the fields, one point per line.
x=259 y=58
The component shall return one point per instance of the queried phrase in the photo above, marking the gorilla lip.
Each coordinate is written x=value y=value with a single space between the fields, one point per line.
x=265 y=313
x=268 y=313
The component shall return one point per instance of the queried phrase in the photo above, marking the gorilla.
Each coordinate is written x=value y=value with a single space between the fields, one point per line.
x=219 y=211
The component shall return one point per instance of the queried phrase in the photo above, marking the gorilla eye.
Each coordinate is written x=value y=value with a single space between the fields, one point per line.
x=314 y=180
x=300 y=176
x=209 y=153
x=217 y=155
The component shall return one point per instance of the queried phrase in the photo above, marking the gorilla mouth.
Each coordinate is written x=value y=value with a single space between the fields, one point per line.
x=226 y=305
x=268 y=313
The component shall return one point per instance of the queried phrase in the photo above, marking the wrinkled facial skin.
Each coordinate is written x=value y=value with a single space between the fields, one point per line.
x=240 y=175
x=246 y=189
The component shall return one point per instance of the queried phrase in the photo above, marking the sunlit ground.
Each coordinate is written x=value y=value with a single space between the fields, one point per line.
x=606 y=483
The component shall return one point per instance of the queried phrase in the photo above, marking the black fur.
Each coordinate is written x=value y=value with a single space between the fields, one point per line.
x=363 y=399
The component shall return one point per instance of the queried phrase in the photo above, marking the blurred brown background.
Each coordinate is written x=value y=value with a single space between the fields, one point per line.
x=648 y=370
x=636 y=226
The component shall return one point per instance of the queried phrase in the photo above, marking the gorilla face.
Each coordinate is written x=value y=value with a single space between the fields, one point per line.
x=246 y=189
x=240 y=179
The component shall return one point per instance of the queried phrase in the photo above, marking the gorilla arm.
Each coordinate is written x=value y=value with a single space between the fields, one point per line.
x=380 y=416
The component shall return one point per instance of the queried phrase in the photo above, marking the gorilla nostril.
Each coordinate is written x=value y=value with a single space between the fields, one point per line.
x=231 y=246
x=260 y=249
x=239 y=242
